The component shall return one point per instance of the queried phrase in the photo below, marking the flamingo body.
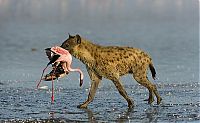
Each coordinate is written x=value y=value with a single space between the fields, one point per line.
x=66 y=58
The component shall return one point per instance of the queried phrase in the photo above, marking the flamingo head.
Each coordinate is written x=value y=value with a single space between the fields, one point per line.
x=51 y=55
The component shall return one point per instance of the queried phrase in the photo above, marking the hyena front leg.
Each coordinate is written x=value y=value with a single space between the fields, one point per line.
x=122 y=91
x=95 y=80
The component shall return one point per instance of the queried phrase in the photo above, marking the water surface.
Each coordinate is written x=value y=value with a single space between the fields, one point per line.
x=166 y=29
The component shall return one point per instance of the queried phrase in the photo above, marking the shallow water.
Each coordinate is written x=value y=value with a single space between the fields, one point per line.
x=168 y=30
x=28 y=104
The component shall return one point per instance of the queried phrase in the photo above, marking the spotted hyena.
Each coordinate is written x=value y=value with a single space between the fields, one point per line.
x=112 y=62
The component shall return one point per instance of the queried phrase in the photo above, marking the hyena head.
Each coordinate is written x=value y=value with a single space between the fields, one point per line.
x=71 y=42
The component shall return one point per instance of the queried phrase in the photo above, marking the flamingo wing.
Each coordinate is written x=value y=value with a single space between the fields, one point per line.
x=59 y=50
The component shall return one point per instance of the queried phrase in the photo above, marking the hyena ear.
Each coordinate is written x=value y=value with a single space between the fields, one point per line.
x=70 y=36
x=78 y=37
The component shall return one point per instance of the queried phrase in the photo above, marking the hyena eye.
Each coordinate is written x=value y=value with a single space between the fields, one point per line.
x=66 y=45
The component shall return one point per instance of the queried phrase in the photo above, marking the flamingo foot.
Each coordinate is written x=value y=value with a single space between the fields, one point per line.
x=81 y=82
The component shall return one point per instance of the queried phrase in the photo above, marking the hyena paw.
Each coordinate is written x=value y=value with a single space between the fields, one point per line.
x=159 y=100
x=82 y=106
x=130 y=103
x=150 y=100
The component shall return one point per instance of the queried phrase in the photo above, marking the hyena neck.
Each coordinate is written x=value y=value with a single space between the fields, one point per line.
x=85 y=52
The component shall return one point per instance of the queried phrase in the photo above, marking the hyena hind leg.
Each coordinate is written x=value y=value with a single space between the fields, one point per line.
x=143 y=80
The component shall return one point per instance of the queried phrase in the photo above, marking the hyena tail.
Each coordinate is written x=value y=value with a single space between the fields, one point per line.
x=153 y=71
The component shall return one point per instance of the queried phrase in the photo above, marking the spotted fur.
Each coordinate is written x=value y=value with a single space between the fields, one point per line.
x=112 y=62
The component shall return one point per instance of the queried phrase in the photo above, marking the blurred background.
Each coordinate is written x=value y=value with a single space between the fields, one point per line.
x=167 y=29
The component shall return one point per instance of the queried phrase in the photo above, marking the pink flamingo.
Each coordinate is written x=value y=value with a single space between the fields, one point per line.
x=66 y=58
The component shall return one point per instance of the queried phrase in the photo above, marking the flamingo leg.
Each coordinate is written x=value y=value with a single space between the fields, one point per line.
x=42 y=76
x=52 y=94
x=78 y=70
x=64 y=65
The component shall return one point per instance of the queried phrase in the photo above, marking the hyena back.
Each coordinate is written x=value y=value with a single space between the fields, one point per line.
x=111 y=62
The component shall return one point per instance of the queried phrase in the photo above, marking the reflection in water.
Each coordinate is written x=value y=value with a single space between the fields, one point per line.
x=51 y=115
x=90 y=114
x=49 y=10
x=152 y=114
x=33 y=11
x=126 y=116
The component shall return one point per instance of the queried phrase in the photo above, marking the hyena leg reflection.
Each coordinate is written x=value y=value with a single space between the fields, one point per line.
x=94 y=85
